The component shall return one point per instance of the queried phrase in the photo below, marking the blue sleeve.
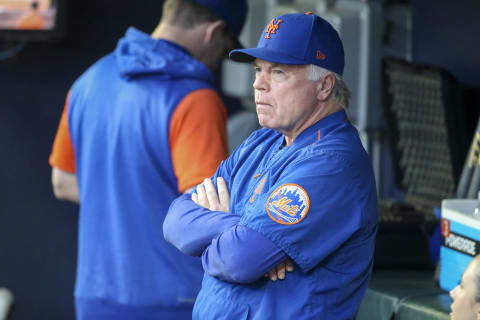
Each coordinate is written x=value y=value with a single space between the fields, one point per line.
x=230 y=252
x=191 y=228
x=241 y=255
x=319 y=205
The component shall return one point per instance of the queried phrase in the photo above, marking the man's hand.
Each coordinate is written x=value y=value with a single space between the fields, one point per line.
x=278 y=272
x=208 y=197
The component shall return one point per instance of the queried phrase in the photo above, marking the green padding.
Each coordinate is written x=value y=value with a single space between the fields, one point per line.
x=435 y=307
x=376 y=306
x=391 y=292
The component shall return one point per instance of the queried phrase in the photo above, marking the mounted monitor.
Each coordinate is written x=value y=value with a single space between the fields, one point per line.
x=32 y=20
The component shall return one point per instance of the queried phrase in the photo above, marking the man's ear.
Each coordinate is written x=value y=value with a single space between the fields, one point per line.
x=212 y=28
x=325 y=86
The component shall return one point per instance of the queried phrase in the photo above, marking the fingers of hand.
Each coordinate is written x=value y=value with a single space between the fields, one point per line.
x=281 y=271
x=195 y=198
x=202 y=196
x=289 y=265
x=211 y=194
x=223 y=194
x=272 y=274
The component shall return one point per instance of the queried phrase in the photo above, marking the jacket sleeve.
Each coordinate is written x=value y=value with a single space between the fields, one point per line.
x=319 y=206
x=241 y=255
x=229 y=252
x=341 y=219
x=191 y=228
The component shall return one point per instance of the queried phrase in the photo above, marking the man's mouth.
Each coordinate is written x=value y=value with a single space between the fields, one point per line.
x=262 y=104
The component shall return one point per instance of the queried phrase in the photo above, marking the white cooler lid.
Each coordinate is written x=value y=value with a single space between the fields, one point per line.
x=461 y=210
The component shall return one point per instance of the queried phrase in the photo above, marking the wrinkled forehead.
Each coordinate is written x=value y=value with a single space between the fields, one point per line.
x=267 y=64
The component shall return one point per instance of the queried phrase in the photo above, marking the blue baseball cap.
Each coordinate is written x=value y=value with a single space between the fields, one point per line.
x=297 y=38
x=233 y=12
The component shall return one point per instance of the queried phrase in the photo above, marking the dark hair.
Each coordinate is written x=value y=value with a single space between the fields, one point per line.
x=188 y=14
x=34 y=5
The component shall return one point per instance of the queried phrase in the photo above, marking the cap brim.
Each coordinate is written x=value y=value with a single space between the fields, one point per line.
x=250 y=54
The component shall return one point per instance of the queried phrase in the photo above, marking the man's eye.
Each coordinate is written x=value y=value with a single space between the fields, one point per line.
x=257 y=69
x=277 y=71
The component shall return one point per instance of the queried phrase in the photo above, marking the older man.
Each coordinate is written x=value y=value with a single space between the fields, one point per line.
x=301 y=189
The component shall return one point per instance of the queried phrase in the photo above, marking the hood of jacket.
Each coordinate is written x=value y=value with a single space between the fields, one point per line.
x=138 y=54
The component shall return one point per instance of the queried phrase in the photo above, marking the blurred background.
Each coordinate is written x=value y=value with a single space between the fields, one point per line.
x=413 y=68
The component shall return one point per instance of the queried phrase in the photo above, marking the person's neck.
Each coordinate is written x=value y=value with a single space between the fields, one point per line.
x=191 y=39
x=176 y=35
x=317 y=115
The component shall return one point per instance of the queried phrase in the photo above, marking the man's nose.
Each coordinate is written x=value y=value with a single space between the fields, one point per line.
x=452 y=292
x=260 y=82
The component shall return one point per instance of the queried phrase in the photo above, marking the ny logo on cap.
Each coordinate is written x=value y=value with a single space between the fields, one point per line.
x=272 y=28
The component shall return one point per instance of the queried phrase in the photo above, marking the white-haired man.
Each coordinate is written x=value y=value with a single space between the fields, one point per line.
x=301 y=189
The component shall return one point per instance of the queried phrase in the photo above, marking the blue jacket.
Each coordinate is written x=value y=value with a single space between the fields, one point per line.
x=118 y=116
x=313 y=201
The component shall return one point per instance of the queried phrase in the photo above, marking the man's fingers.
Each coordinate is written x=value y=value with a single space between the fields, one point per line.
x=206 y=195
x=272 y=274
x=211 y=194
x=195 y=198
x=202 y=196
x=289 y=265
x=223 y=194
x=281 y=271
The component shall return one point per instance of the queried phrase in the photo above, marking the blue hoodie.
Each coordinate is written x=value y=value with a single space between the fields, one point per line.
x=118 y=116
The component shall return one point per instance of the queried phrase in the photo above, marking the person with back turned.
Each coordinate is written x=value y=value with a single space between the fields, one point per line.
x=301 y=188
x=140 y=127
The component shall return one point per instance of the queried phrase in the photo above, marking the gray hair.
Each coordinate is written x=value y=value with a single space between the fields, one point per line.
x=341 y=93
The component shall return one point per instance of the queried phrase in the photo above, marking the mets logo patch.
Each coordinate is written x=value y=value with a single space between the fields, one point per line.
x=288 y=204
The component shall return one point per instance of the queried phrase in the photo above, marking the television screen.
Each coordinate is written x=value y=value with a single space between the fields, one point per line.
x=31 y=19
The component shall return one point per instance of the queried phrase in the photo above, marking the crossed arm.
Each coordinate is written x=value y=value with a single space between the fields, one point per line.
x=203 y=226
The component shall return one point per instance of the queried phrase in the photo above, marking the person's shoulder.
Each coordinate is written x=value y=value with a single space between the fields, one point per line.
x=98 y=65
x=343 y=144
